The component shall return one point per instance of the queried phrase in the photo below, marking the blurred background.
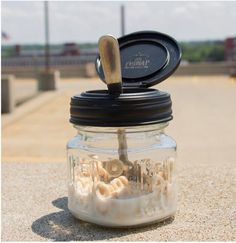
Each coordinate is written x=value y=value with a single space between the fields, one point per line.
x=204 y=30
x=48 y=51
x=47 y=55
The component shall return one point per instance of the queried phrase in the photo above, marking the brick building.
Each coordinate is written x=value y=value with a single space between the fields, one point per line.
x=230 y=49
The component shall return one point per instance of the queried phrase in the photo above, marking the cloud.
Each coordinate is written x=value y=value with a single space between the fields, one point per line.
x=86 y=21
x=180 y=10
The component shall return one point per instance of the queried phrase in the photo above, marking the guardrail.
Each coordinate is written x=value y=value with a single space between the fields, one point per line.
x=209 y=68
x=69 y=66
x=78 y=66
x=40 y=61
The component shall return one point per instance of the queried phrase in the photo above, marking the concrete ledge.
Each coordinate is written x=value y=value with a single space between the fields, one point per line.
x=88 y=70
x=8 y=101
x=28 y=107
x=48 y=81
x=207 y=68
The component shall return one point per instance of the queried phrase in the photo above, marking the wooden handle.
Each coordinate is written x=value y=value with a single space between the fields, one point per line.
x=110 y=59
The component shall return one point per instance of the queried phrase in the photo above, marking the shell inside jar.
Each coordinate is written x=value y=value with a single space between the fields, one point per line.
x=104 y=190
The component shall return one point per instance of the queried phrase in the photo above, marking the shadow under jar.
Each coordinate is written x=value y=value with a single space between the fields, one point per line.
x=122 y=165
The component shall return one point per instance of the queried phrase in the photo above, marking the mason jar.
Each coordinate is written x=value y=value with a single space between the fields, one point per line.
x=122 y=165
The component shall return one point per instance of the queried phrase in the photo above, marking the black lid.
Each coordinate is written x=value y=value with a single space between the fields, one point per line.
x=147 y=58
x=135 y=106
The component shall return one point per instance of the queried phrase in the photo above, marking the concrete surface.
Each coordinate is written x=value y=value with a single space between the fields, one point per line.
x=7 y=94
x=34 y=207
x=24 y=89
x=41 y=99
x=34 y=196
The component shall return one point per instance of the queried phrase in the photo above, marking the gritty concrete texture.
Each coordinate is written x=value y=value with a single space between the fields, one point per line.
x=41 y=99
x=34 y=196
x=34 y=207
x=24 y=89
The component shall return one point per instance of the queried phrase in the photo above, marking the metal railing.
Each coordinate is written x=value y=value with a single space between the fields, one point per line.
x=40 y=61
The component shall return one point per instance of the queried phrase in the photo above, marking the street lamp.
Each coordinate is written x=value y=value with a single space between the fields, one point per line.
x=122 y=13
x=47 y=47
x=47 y=79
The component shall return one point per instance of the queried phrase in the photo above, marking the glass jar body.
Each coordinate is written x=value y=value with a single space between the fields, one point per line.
x=122 y=176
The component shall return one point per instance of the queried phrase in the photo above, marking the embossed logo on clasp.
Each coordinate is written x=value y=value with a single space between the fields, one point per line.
x=138 y=61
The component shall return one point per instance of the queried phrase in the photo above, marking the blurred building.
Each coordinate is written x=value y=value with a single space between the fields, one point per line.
x=69 y=59
x=68 y=49
x=230 y=49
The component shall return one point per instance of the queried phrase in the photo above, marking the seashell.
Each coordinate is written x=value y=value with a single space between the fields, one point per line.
x=157 y=180
x=102 y=172
x=161 y=173
x=93 y=156
x=85 y=173
x=124 y=180
x=114 y=186
x=113 y=189
x=117 y=182
x=106 y=191
x=114 y=167
x=101 y=203
x=103 y=190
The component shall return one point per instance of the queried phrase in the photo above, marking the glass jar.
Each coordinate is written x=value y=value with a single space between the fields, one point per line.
x=121 y=163
x=122 y=176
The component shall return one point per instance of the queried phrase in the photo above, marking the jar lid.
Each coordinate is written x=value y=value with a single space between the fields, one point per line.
x=135 y=106
x=147 y=58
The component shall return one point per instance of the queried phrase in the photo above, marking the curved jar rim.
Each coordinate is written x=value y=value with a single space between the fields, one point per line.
x=128 y=129
x=135 y=106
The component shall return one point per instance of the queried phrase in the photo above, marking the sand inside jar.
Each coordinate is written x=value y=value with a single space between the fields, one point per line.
x=123 y=202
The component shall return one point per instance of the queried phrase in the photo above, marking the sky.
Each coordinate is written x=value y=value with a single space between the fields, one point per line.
x=86 y=21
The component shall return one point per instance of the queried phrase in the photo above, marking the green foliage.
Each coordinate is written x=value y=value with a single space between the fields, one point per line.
x=198 y=51
x=88 y=45
x=7 y=51
x=203 y=51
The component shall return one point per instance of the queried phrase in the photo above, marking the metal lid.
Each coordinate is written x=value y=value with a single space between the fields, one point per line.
x=147 y=58
x=135 y=106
